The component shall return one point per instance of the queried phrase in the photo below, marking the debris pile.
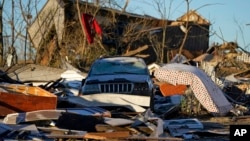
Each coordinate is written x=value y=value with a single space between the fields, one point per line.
x=198 y=102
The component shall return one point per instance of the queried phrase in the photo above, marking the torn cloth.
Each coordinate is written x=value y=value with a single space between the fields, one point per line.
x=205 y=90
x=91 y=27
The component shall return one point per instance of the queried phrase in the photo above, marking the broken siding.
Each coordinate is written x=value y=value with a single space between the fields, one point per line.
x=193 y=16
x=197 y=40
x=51 y=14
x=198 y=36
x=59 y=19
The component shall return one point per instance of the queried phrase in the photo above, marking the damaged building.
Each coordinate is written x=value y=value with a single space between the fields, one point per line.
x=197 y=98
x=60 y=32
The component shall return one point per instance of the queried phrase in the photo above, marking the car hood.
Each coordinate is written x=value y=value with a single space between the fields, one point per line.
x=125 y=77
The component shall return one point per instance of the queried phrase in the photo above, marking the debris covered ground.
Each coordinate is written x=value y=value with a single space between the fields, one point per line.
x=198 y=104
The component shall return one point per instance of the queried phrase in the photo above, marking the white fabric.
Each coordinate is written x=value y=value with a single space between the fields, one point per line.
x=204 y=89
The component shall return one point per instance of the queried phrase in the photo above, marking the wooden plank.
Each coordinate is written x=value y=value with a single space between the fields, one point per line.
x=54 y=132
x=105 y=127
x=95 y=136
x=27 y=90
x=156 y=138
x=12 y=103
x=16 y=118
x=107 y=135
x=63 y=136
x=117 y=121
x=21 y=98
x=110 y=136
x=93 y=111
x=133 y=52
x=58 y=130
x=144 y=129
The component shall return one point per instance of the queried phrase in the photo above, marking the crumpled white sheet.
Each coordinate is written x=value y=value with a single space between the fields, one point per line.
x=205 y=90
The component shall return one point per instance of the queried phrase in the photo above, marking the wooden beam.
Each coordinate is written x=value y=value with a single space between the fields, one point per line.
x=138 y=50
x=107 y=135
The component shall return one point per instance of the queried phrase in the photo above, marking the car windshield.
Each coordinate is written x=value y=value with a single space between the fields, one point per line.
x=117 y=67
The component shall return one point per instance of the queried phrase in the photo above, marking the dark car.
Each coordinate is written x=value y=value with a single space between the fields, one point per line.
x=119 y=74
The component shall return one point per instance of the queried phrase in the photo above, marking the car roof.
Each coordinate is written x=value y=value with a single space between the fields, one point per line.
x=121 y=59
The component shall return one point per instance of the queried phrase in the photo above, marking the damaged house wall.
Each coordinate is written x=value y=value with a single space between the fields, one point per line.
x=196 y=44
x=48 y=22
x=197 y=41
x=120 y=32
x=57 y=35
x=198 y=38
x=50 y=15
x=68 y=41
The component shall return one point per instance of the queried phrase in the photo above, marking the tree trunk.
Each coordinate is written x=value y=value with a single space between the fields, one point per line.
x=1 y=34
x=12 y=24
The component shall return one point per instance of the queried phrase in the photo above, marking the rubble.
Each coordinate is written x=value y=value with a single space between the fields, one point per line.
x=179 y=111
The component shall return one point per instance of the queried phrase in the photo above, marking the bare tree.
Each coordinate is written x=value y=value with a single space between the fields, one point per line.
x=160 y=47
x=124 y=40
x=185 y=29
x=26 y=16
x=12 y=22
x=1 y=32
x=15 y=24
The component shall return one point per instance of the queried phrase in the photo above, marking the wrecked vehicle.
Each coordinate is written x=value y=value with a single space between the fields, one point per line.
x=125 y=82
x=124 y=75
